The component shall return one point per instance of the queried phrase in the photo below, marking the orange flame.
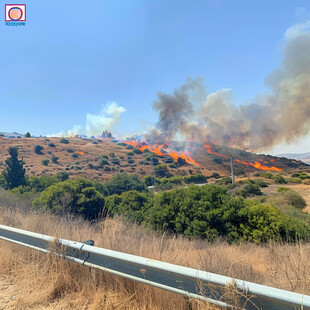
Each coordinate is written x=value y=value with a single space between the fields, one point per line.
x=156 y=149
x=210 y=151
x=81 y=153
x=257 y=165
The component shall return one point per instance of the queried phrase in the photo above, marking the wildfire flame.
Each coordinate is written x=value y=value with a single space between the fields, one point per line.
x=157 y=149
x=81 y=153
x=210 y=151
x=258 y=165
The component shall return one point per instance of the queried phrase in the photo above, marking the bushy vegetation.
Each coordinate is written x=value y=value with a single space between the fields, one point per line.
x=80 y=197
x=45 y=162
x=38 y=149
x=65 y=141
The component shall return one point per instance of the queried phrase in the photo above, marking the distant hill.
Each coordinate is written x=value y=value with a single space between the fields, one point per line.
x=305 y=157
x=12 y=134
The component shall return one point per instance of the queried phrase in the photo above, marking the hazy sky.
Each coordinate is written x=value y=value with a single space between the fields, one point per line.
x=73 y=57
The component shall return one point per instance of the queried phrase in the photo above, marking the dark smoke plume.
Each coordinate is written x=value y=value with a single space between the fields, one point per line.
x=281 y=116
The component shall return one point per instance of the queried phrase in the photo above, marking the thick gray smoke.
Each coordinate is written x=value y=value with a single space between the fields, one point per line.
x=281 y=116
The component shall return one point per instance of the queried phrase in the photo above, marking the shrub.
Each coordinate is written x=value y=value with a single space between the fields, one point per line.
x=294 y=180
x=65 y=141
x=75 y=155
x=115 y=161
x=105 y=156
x=130 y=161
x=181 y=161
x=301 y=175
x=122 y=183
x=199 y=178
x=130 y=153
x=307 y=182
x=70 y=151
x=161 y=170
x=45 y=162
x=51 y=145
x=261 y=183
x=137 y=151
x=54 y=159
x=79 y=196
x=103 y=162
x=295 y=200
x=28 y=135
x=121 y=144
x=38 y=149
x=252 y=189
x=169 y=160
x=267 y=175
x=279 y=179
x=215 y=175
x=112 y=154
x=129 y=147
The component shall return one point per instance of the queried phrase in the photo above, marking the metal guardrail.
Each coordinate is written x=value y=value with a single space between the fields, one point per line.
x=186 y=281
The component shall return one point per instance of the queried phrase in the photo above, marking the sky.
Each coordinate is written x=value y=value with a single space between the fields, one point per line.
x=74 y=57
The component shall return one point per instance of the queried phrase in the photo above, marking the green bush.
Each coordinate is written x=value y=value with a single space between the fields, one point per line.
x=79 y=197
x=301 y=175
x=105 y=156
x=279 y=179
x=112 y=154
x=130 y=153
x=121 y=144
x=215 y=175
x=266 y=175
x=198 y=178
x=161 y=170
x=75 y=155
x=38 y=149
x=137 y=151
x=54 y=159
x=294 y=199
x=224 y=181
x=123 y=183
x=103 y=162
x=65 y=141
x=261 y=183
x=294 y=180
x=45 y=162
x=70 y=151
x=252 y=189
x=130 y=161
x=51 y=145
x=129 y=147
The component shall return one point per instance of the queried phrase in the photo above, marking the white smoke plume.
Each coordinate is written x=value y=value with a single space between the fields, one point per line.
x=107 y=119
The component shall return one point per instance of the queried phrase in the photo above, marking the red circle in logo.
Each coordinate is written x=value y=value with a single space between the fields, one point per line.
x=15 y=13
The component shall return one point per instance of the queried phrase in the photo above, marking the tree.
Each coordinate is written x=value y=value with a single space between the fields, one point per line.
x=14 y=174
x=28 y=135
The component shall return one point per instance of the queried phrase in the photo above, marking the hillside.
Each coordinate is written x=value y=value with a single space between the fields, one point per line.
x=305 y=157
x=83 y=157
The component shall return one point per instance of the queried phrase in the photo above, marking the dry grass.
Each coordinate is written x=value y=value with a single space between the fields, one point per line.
x=31 y=280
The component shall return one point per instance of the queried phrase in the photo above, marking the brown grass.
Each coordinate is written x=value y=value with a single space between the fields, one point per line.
x=31 y=280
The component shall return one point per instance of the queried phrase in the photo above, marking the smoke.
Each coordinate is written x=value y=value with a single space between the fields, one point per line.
x=107 y=119
x=281 y=116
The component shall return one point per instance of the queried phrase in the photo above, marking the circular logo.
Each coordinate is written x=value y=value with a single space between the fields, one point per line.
x=15 y=13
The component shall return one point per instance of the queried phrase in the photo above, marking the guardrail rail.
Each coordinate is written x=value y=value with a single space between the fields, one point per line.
x=186 y=281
